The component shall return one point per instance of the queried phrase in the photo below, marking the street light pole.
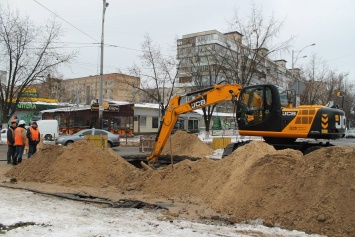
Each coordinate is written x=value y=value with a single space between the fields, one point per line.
x=101 y=109
x=294 y=60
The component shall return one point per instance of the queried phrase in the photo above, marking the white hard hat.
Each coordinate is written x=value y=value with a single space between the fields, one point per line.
x=21 y=122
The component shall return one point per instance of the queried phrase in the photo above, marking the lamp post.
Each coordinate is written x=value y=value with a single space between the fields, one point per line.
x=101 y=109
x=294 y=60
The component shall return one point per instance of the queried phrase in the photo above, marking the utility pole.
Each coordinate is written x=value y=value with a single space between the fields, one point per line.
x=101 y=109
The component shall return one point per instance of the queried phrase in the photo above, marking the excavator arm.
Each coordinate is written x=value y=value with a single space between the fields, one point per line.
x=206 y=97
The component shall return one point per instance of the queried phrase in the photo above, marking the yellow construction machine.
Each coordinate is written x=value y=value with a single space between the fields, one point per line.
x=261 y=110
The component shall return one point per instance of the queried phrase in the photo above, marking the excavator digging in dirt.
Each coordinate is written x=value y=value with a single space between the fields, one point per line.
x=261 y=110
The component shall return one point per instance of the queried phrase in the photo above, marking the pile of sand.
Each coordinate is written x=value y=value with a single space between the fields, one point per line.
x=313 y=193
x=80 y=164
x=184 y=144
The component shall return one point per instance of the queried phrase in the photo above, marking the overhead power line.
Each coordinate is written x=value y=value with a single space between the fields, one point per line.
x=83 y=31
x=67 y=21
x=98 y=42
x=341 y=57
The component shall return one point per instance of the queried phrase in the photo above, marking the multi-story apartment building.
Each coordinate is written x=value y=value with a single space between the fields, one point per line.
x=210 y=57
x=116 y=86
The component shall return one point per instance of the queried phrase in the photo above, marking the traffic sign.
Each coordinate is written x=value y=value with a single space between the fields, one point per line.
x=299 y=87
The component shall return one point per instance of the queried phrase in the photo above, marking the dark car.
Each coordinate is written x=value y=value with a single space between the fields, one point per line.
x=113 y=140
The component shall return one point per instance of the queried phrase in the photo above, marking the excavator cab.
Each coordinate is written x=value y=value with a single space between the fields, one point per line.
x=259 y=108
x=262 y=110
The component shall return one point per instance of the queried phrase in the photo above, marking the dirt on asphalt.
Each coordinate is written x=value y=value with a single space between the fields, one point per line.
x=314 y=193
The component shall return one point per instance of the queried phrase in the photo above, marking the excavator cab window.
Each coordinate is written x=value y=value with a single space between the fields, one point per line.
x=255 y=105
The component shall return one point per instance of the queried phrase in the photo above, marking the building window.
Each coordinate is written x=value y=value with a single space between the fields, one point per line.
x=155 y=122
x=193 y=124
x=180 y=124
x=185 y=79
x=143 y=121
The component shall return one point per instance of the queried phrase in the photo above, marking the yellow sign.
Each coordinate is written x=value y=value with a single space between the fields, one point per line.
x=105 y=105
x=29 y=90
x=32 y=99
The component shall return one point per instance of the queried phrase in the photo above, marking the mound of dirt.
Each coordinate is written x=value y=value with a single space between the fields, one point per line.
x=80 y=164
x=185 y=144
x=313 y=193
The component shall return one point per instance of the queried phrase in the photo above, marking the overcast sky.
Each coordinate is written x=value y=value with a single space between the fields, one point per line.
x=328 y=23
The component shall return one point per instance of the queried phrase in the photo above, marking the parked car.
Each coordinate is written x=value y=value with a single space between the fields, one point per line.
x=350 y=133
x=113 y=139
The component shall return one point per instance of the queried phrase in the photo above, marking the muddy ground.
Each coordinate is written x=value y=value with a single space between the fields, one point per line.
x=313 y=193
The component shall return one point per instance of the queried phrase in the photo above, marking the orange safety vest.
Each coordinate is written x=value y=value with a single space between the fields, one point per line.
x=18 y=137
x=34 y=134
x=13 y=135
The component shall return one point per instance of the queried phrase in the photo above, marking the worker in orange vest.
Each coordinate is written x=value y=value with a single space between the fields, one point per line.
x=20 y=142
x=33 y=137
x=11 y=148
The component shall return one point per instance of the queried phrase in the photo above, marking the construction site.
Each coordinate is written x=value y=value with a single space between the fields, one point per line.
x=312 y=193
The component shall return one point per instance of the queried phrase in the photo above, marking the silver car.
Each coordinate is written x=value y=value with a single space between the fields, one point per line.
x=113 y=139
x=350 y=133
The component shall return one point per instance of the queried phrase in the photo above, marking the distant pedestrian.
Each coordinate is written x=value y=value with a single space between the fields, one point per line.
x=11 y=149
x=17 y=120
x=33 y=136
x=20 y=142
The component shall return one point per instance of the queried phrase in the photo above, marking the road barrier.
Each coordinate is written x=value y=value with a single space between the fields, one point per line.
x=147 y=143
x=97 y=140
x=220 y=142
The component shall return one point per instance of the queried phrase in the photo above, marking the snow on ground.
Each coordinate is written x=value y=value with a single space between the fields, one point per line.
x=60 y=217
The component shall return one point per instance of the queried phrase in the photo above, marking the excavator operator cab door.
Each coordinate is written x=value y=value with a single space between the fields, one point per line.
x=259 y=108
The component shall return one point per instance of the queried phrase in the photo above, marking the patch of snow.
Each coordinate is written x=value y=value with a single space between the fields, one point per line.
x=61 y=217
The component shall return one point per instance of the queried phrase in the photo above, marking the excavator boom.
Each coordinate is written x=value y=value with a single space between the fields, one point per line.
x=209 y=96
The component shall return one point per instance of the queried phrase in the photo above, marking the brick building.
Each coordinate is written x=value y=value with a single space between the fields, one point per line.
x=115 y=87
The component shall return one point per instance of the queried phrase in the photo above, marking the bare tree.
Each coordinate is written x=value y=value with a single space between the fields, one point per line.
x=157 y=74
x=323 y=83
x=205 y=66
x=50 y=87
x=240 y=56
x=259 y=41
x=28 y=52
x=319 y=81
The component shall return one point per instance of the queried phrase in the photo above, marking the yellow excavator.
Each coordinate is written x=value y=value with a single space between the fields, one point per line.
x=261 y=110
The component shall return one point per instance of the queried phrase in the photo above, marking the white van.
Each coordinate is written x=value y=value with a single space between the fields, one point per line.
x=49 y=128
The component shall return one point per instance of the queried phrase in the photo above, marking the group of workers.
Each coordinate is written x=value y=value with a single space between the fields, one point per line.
x=18 y=137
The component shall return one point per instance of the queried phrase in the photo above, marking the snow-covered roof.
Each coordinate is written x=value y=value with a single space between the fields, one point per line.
x=199 y=111
x=82 y=107
x=67 y=109
x=40 y=103
x=118 y=102
x=146 y=105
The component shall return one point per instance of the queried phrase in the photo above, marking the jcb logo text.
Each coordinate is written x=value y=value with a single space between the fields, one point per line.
x=289 y=113
x=198 y=103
